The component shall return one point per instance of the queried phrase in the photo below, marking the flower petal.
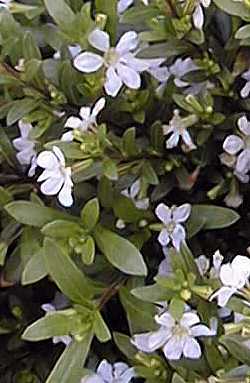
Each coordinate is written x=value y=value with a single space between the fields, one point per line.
x=244 y=125
x=59 y=154
x=178 y=236
x=113 y=82
x=47 y=160
x=163 y=237
x=163 y=213
x=201 y=330
x=92 y=379
x=174 y=348
x=233 y=144
x=245 y=90
x=189 y=319
x=24 y=128
x=85 y=113
x=198 y=17
x=67 y=137
x=99 y=40
x=191 y=348
x=65 y=195
x=149 y=342
x=181 y=213
x=105 y=370
x=73 y=122
x=52 y=186
x=243 y=161
x=173 y=140
x=99 y=105
x=165 y=320
x=88 y=62
x=123 y=5
x=127 y=42
x=129 y=76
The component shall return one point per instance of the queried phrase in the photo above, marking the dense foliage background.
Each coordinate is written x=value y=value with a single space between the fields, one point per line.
x=124 y=190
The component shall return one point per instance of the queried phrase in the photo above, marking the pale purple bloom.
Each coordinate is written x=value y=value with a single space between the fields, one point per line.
x=203 y=264
x=56 y=177
x=175 y=338
x=26 y=147
x=74 y=50
x=107 y=373
x=133 y=192
x=246 y=89
x=238 y=147
x=233 y=277
x=198 y=15
x=50 y=309
x=121 y=65
x=5 y=3
x=172 y=218
x=178 y=129
x=86 y=121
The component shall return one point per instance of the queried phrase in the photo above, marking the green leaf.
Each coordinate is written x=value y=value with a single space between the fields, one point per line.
x=125 y=209
x=243 y=32
x=140 y=314
x=34 y=269
x=88 y=251
x=235 y=346
x=176 y=308
x=90 y=214
x=153 y=293
x=60 y=12
x=215 y=217
x=129 y=142
x=61 y=229
x=30 y=48
x=124 y=344
x=32 y=214
x=69 y=366
x=234 y=8
x=100 y=328
x=65 y=273
x=120 y=252
x=3 y=252
x=54 y=324
x=20 y=109
x=109 y=8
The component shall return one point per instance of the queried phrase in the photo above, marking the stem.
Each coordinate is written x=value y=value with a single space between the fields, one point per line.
x=110 y=292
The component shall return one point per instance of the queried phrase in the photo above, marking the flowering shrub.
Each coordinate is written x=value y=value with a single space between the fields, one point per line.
x=124 y=191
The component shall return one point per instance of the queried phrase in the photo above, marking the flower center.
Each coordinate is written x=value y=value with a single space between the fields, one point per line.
x=170 y=227
x=180 y=331
x=111 y=57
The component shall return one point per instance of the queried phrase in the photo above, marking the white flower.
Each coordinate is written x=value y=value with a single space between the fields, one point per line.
x=123 y=5
x=133 y=193
x=175 y=338
x=56 y=176
x=87 y=120
x=121 y=65
x=233 y=277
x=26 y=147
x=239 y=145
x=178 y=129
x=66 y=339
x=171 y=219
x=198 y=15
x=246 y=89
x=106 y=373
x=180 y=68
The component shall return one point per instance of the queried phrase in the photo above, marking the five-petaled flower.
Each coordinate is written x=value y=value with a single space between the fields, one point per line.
x=172 y=218
x=121 y=65
x=238 y=148
x=56 y=176
x=178 y=129
x=86 y=121
x=233 y=277
x=26 y=147
x=175 y=338
x=107 y=373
